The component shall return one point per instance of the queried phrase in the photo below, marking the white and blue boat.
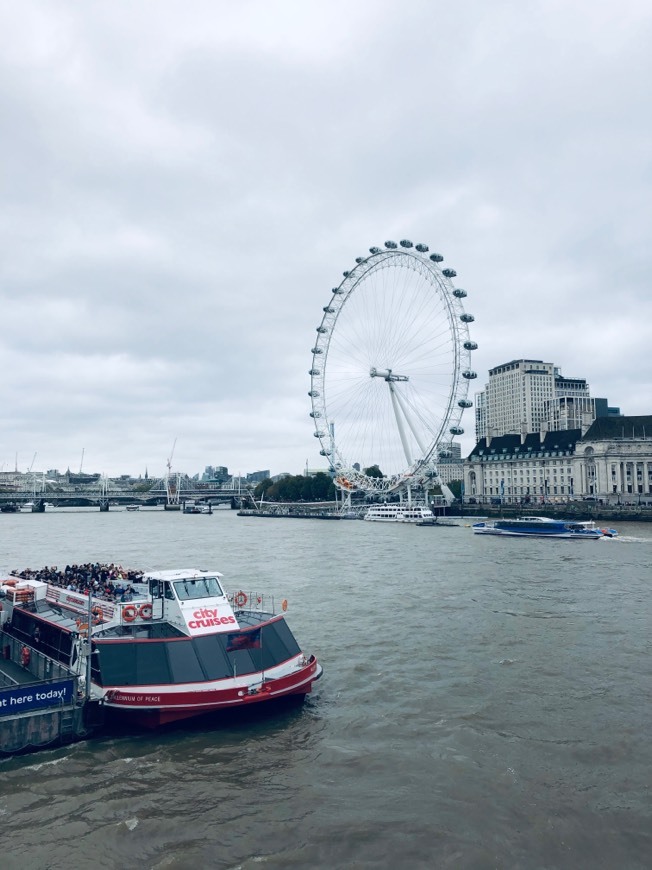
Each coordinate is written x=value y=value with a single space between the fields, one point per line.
x=544 y=527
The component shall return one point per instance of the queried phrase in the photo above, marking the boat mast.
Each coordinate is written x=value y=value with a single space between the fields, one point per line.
x=89 y=622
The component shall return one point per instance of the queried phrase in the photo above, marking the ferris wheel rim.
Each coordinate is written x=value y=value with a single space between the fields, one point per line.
x=439 y=280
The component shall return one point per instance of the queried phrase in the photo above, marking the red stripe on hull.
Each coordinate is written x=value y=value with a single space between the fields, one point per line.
x=145 y=707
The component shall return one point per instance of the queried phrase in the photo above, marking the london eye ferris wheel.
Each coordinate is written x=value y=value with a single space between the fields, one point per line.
x=391 y=369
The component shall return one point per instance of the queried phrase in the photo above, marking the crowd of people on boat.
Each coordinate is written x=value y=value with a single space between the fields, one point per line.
x=108 y=582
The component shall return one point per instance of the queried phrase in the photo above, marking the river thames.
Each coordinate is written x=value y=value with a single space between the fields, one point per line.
x=485 y=704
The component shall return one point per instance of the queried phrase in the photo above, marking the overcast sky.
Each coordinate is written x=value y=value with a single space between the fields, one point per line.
x=183 y=182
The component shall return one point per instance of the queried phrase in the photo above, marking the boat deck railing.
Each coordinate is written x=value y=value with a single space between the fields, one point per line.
x=255 y=602
x=22 y=663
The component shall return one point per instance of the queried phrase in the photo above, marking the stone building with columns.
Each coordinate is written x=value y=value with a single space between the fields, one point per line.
x=611 y=462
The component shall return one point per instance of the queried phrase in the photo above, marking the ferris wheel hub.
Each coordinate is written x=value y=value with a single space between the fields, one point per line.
x=387 y=375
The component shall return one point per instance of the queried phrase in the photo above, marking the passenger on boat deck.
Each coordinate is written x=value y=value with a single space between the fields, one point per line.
x=103 y=581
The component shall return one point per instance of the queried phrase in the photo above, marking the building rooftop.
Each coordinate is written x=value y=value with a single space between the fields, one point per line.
x=620 y=428
x=510 y=445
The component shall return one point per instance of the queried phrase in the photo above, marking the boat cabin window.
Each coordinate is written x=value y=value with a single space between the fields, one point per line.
x=168 y=592
x=197 y=587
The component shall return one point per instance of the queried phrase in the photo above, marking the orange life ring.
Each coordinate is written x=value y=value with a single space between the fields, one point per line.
x=82 y=627
x=129 y=613
x=145 y=611
x=10 y=582
x=25 y=656
x=240 y=599
x=284 y=604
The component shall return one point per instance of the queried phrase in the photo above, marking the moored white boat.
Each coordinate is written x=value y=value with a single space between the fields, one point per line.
x=179 y=648
x=543 y=527
x=398 y=513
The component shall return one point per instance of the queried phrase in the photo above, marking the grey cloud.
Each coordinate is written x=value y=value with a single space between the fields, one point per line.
x=181 y=191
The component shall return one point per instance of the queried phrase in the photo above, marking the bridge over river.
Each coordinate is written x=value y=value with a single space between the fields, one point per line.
x=105 y=496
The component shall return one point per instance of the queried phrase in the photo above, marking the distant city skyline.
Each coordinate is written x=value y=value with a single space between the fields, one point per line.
x=549 y=374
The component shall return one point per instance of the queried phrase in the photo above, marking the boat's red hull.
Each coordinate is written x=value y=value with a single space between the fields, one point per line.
x=144 y=707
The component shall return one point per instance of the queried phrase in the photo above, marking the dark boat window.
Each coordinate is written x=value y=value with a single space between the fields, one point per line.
x=168 y=591
x=273 y=648
x=287 y=637
x=184 y=664
x=155 y=588
x=243 y=663
x=151 y=664
x=213 y=657
x=117 y=663
x=198 y=587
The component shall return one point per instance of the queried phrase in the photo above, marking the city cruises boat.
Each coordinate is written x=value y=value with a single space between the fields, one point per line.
x=180 y=647
x=543 y=527
x=398 y=513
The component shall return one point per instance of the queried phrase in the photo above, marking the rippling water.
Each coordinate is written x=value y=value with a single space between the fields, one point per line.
x=485 y=703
